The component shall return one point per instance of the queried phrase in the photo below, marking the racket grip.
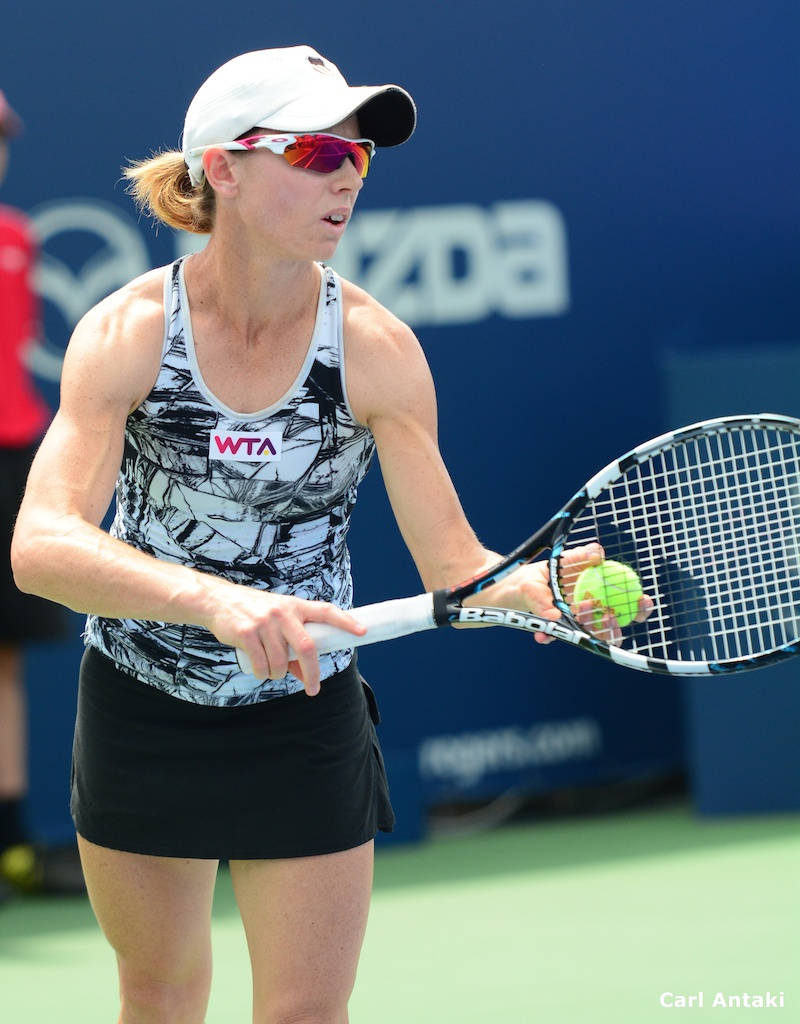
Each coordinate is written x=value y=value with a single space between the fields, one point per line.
x=385 y=620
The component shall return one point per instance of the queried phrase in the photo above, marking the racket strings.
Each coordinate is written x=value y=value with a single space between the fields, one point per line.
x=710 y=525
x=720 y=511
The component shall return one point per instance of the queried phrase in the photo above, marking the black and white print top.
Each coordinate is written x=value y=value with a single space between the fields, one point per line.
x=262 y=499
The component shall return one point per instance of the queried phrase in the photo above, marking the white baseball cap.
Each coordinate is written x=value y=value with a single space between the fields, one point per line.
x=292 y=89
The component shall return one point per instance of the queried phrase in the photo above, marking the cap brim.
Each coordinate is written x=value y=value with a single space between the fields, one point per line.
x=388 y=118
x=386 y=113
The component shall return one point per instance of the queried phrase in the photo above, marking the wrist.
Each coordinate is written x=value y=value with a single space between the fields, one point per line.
x=198 y=598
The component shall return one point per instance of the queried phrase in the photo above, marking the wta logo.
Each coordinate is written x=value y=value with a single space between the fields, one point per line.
x=240 y=446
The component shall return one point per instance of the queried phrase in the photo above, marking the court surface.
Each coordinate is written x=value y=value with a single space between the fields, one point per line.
x=581 y=920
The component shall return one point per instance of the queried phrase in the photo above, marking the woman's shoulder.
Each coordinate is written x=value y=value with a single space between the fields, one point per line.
x=385 y=361
x=118 y=343
x=136 y=307
x=367 y=322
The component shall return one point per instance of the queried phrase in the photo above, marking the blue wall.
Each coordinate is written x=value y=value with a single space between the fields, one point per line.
x=596 y=190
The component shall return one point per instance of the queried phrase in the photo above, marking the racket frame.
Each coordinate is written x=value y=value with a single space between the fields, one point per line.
x=448 y=608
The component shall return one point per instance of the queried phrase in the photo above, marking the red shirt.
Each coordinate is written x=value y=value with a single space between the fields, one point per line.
x=23 y=413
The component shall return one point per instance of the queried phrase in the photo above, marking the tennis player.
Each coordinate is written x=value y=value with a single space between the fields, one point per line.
x=236 y=399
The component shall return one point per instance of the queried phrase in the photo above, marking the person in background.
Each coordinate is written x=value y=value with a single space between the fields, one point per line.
x=24 y=864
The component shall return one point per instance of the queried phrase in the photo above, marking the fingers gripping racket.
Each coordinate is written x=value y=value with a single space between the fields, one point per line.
x=708 y=517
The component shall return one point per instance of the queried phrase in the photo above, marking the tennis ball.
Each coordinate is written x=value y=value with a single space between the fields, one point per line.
x=613 y=587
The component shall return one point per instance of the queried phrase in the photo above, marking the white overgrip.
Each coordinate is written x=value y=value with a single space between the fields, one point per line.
x=385 y=620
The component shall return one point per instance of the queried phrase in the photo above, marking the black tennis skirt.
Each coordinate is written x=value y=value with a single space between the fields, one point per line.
x=293 y=776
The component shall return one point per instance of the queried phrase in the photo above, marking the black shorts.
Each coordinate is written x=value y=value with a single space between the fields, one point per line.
x=289 y=777
x=23 y=617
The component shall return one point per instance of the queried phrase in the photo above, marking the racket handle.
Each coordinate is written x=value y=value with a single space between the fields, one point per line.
x=385 y=620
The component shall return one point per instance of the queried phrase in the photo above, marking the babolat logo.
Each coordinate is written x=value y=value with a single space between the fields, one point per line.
x=521 y=620
x=241 y=446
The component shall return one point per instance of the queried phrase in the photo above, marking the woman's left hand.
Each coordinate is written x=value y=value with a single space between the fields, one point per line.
x=528 y=590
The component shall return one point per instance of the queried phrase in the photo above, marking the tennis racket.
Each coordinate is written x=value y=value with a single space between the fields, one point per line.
x=707 y=516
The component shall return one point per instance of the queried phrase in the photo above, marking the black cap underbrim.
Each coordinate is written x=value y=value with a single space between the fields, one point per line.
x=388 y=119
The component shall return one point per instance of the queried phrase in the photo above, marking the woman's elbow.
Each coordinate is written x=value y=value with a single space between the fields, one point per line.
x=26 y=559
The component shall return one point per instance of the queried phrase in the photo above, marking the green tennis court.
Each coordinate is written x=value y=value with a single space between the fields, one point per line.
x=579 y=920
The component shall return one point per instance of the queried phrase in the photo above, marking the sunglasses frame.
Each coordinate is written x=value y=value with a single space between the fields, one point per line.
x=279 y=144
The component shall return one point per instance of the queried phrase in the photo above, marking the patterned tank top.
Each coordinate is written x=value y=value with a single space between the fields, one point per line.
x=263 y=499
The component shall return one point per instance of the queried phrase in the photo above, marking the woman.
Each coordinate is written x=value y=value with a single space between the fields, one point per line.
x=237 y=396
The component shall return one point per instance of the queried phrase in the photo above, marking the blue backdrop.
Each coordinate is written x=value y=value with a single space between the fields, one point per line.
x=596 y=194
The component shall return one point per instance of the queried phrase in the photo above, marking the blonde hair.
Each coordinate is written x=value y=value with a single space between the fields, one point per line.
x=162 y=188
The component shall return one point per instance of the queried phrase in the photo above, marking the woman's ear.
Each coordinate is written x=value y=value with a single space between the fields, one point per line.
x=218 y=165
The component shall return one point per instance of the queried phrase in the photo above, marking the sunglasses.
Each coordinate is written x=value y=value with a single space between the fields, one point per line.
x=317 y=152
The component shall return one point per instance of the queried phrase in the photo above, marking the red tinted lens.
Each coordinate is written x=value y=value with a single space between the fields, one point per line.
x=325 y=154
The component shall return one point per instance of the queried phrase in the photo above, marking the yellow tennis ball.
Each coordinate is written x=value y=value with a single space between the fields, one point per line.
x=613 y=587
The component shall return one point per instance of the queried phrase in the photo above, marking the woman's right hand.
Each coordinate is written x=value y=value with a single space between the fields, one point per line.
x=264 y=626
